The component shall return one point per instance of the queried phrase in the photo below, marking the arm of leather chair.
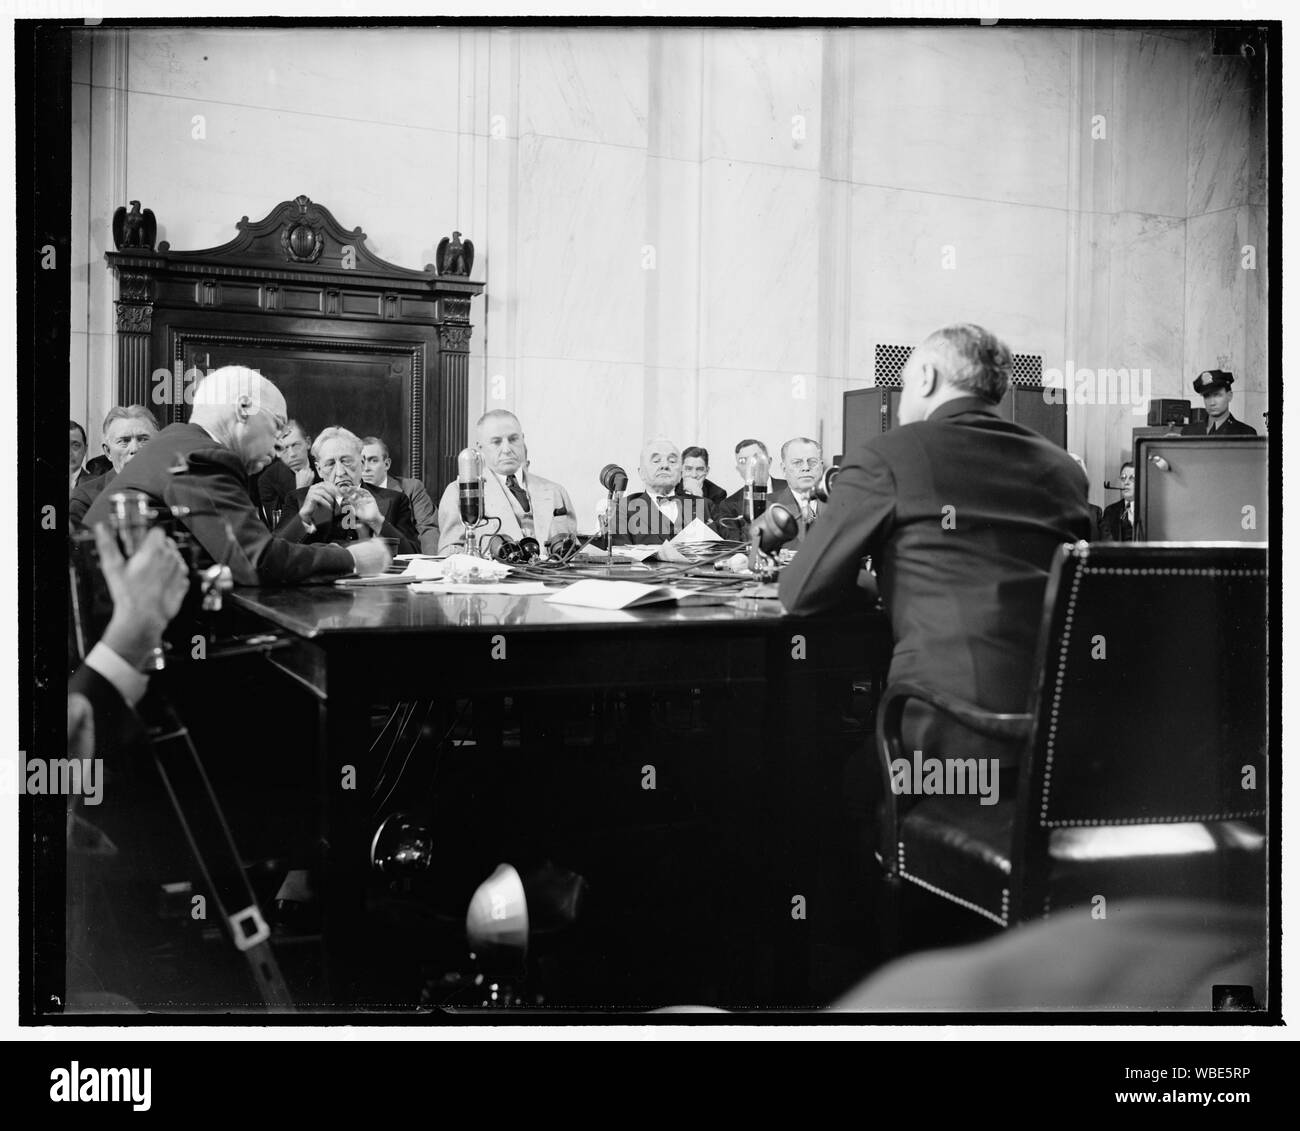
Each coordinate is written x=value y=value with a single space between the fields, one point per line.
x=889 y=744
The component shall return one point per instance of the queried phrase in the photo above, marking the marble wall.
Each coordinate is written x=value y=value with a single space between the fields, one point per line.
x=703 y=233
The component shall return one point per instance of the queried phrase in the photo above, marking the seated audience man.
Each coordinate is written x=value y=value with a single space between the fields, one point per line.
x=1093 y=509
x=77 y=472
x=515 y=498
x=731 y=511
x=204 y=465
x=961 y=512
x=340 y=508
x=801 y=460
x=290 y=470
x=376 y=470
x=660 y=512
x=695 y=481
x=1215 y=385
x=1117 y=520
x=126 y=431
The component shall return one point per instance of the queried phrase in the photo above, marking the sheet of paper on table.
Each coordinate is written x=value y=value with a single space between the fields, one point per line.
x=512 y=588
x=592 y=593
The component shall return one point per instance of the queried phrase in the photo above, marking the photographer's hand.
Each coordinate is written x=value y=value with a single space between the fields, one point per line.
x=147 y=590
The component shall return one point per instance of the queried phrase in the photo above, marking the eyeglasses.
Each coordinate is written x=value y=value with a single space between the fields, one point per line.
x=804 y=464
x=1128 y=477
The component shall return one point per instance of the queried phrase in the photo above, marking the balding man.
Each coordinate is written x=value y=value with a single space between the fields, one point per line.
x=204 y=465
x=340 y=508
x=376 y=470
x=524 y=504
x=961 y=512
x=660 y=512
x=126 y=430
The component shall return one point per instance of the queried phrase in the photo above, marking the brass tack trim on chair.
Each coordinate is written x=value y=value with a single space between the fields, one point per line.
x=1001 y=921
x=1181 y=819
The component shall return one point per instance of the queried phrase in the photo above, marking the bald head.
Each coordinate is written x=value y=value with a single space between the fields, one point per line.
x=243 y=411
x=661 y=465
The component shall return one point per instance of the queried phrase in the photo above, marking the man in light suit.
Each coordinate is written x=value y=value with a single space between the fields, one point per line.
x=801 y=460
x=376 y=466
x=523 y=504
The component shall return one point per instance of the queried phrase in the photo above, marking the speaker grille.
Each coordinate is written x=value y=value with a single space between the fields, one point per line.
x=1026 y=368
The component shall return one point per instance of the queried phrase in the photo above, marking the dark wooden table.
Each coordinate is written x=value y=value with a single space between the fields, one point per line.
x=353 y=647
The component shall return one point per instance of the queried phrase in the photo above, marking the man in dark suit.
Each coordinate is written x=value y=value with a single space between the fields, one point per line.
x=660 y=512
x=1118 y=523
x=377 y=471
x=126 y=431
x=801 y=460
x=204 y=465
x=77 y=472
x=731 y=511
x=961 y=512
x=292 y=468
x=695 y=481
x=340 y=508
x=1215 y=385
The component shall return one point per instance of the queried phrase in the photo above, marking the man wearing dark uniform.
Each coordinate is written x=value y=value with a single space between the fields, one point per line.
x=1215 y=385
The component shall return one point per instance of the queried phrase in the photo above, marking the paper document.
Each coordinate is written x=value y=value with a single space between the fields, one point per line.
x=591 y=593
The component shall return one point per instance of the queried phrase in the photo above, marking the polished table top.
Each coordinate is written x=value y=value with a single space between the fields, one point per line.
x=325 y=610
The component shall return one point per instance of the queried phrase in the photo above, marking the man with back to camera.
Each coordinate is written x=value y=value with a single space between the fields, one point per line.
x=517 y=502
x=961 y=512
x=1215 y=385
x=205 y=464
x=126 y=430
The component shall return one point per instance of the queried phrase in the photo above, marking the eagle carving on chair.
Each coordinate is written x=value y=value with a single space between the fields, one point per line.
x=134 y=228
x=455 y=256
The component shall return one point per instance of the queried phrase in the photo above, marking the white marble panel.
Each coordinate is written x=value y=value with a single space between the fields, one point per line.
x=1225 y=123
x=1215 y=312
x=1009 y=274
x=972 y=111
x=78 y=382
x=583 y=251
x=1257 y=376
x=764 y=95
x=79 y=47
x=736 y=404
x=1148 y=130
x=400 y=76
x=673 y=309
x=402 y=202
x=760 y=263
x=100 y=383
x=106 y=154
x=79 y=168
x=577 y=417
x=1146 y=300
x=585 y=84
x=676 y=99
x=672 y=404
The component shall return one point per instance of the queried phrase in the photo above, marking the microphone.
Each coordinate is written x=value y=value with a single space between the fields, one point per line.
x=822 y=491
x=755 y=486
x=613 y=478
x=774 y=528
x=469 y=478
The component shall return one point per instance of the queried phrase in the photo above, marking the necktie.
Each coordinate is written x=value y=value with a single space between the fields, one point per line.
x=521 y=496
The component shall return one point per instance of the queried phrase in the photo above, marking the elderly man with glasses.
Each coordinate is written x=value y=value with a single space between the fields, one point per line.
x=801 y=462
x=340 y=508
x=1118 y=523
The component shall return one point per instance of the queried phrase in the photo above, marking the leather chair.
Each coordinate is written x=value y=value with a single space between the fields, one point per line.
x=1143 y=765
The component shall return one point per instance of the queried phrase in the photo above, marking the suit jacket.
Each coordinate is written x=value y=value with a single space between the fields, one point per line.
x=212 y=482
x=787 y=499
x=552 y=511
x=1230 y=427
x=275 y=486
x=709 y=490
x=88 y=490
x=393 y=506
x=730 y=515
x=100 y=465
x=641 y=523
x=422 y=508
x=961 y=514
x=83 y=475
x=1114 y=526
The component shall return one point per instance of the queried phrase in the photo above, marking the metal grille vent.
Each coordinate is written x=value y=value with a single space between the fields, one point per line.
x=1026 y=368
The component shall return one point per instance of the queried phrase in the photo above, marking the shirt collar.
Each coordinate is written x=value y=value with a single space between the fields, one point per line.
x=521 y=477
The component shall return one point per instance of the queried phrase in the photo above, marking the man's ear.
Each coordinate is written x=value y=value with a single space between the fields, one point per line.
x=928 y=381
